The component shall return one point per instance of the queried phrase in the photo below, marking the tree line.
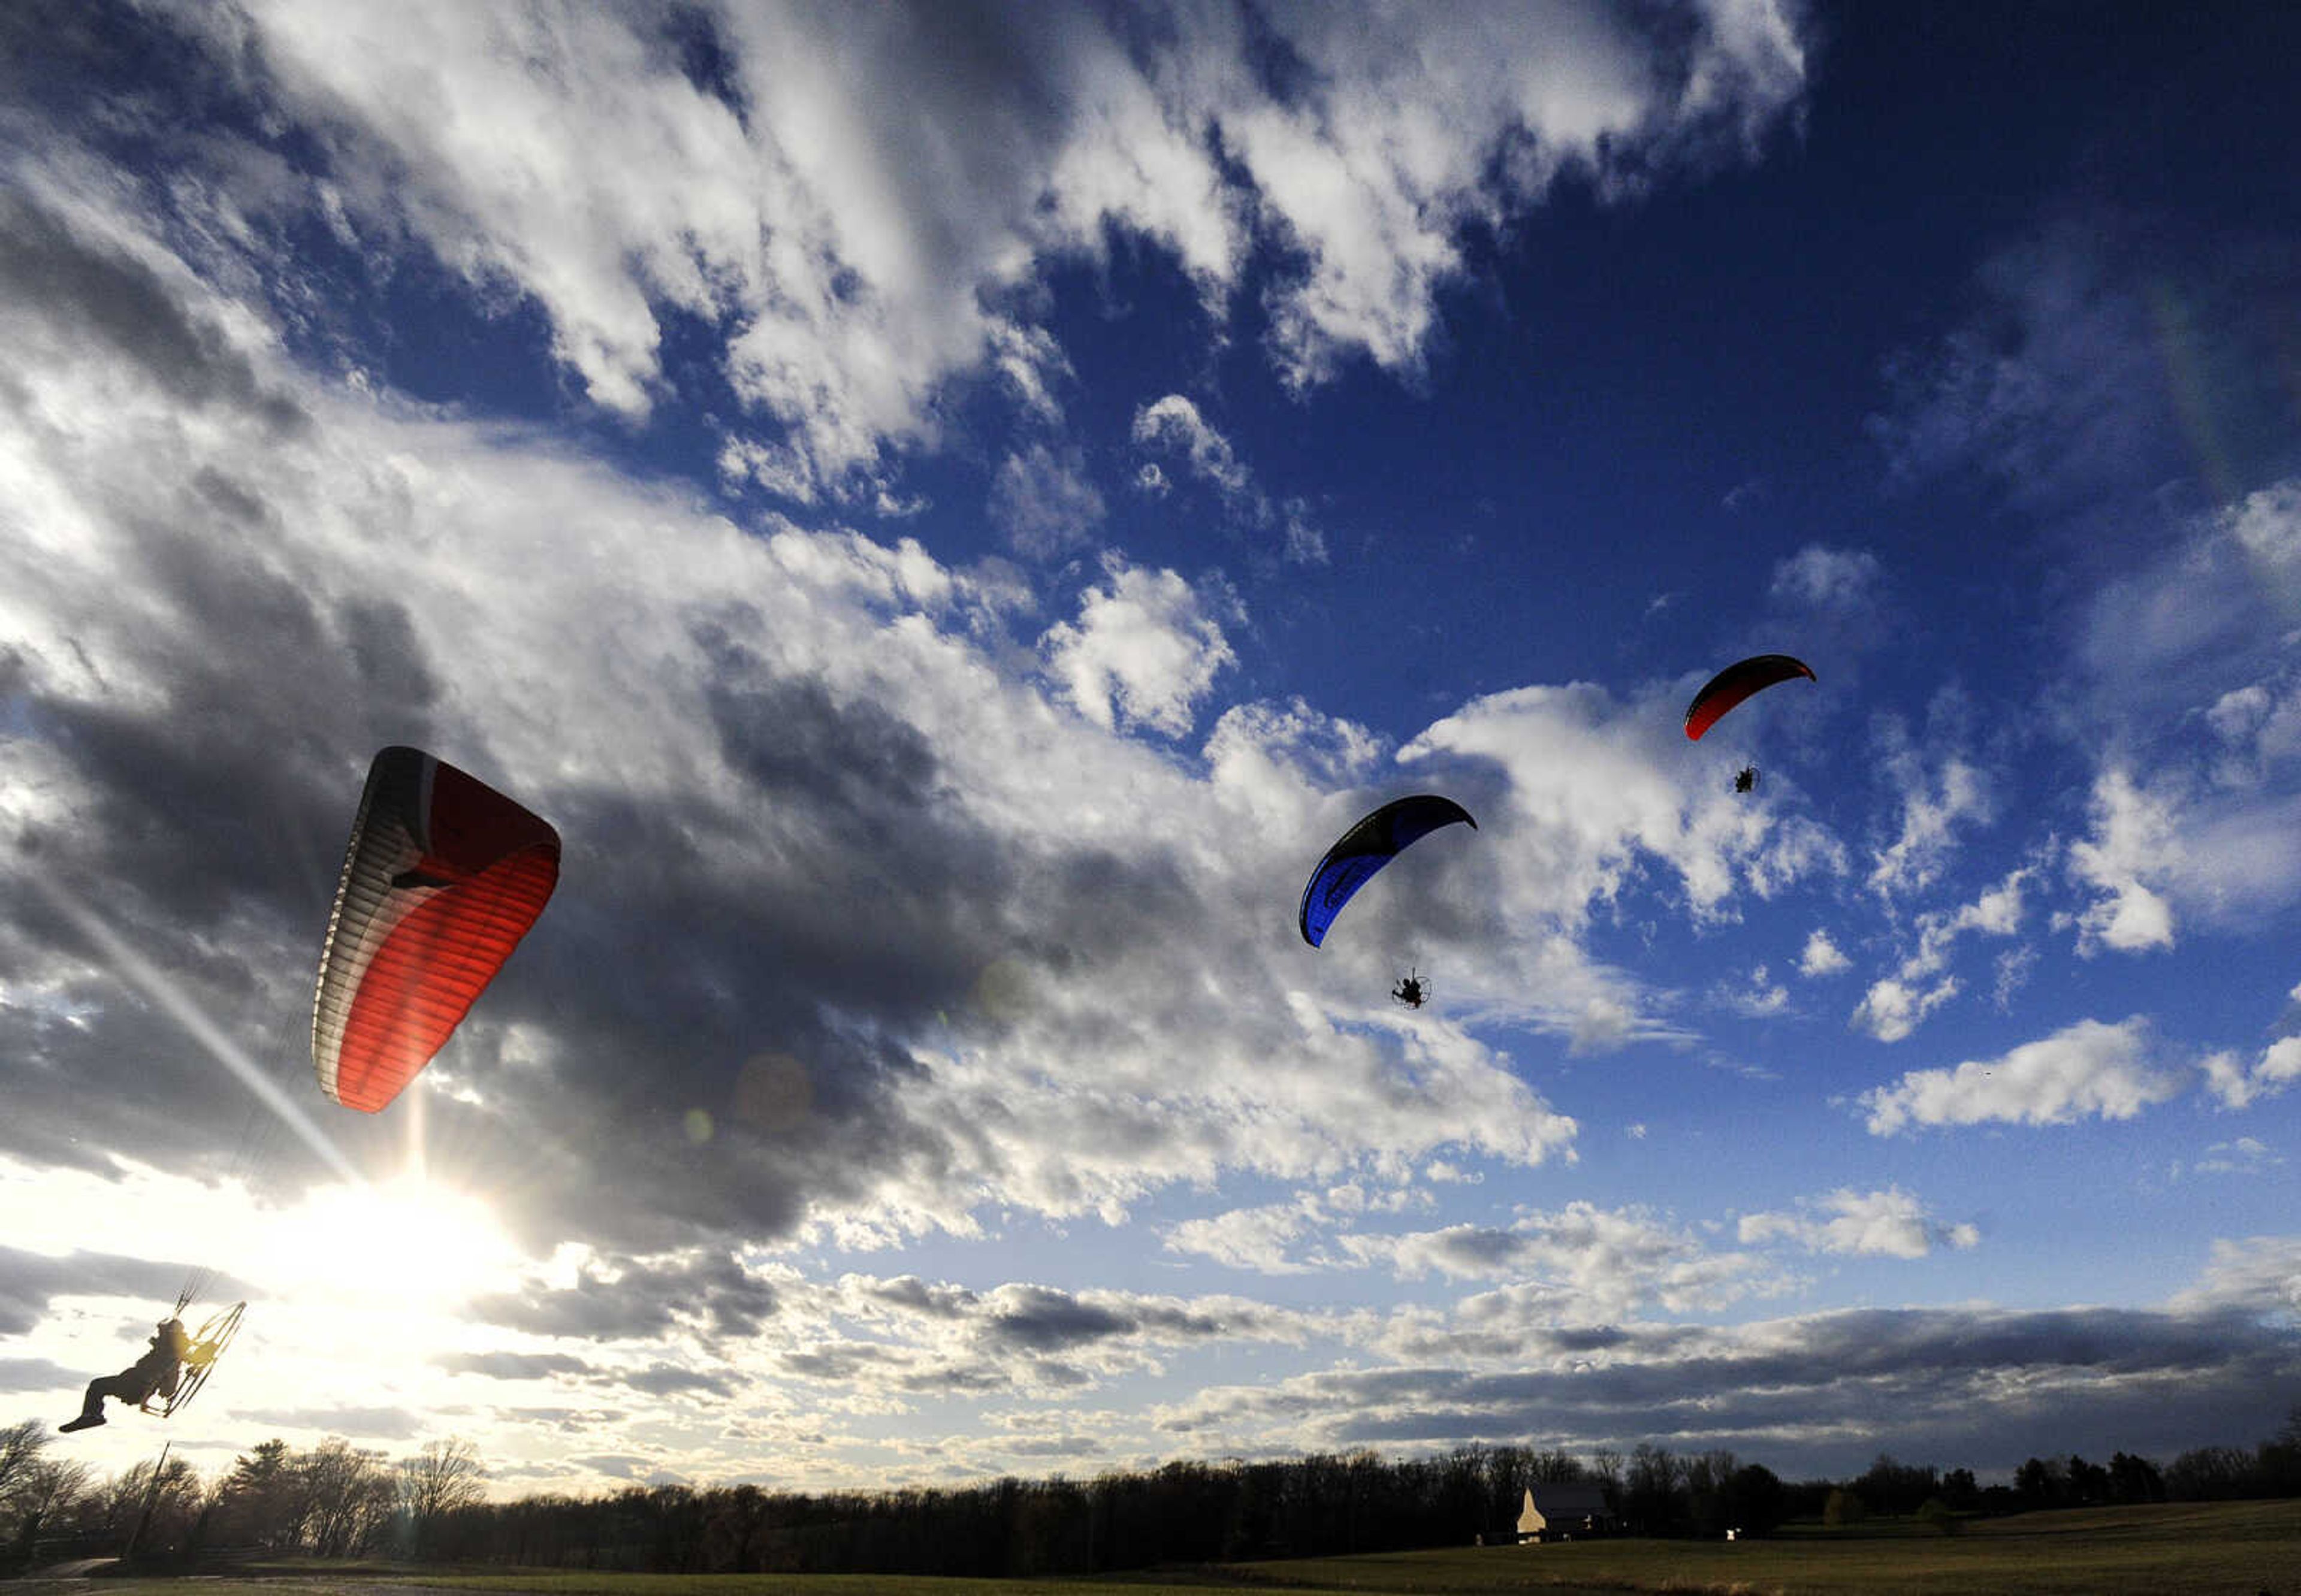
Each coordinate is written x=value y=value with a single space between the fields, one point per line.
x=334 y=1500
x=330 y=1501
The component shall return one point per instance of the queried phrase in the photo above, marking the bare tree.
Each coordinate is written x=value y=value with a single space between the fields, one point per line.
x=442 y=1477
x=348 y=1495
x=43 y=1493
x=20 y=1445
x=35 y=1491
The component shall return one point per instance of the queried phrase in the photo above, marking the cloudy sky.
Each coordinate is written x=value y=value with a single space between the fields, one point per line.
x=950 y=508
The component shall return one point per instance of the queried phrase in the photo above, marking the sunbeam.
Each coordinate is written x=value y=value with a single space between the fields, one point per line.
x=140 y=973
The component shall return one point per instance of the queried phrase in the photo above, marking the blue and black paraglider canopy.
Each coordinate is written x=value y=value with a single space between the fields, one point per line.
x=1365 y=848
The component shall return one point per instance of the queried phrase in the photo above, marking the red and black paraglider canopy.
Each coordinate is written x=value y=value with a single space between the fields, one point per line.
x=1737 y=682
x=442 y=878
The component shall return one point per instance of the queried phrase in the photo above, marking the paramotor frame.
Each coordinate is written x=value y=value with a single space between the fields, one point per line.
x=208 y=1344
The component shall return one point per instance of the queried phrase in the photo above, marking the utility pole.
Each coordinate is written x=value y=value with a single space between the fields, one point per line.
x=151 y=1500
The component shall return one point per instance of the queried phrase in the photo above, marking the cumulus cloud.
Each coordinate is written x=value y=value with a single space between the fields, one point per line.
x=1270 y=1239
x=2238 y=1087
x=1580 y=1264
x=1889 y=1223
x=1820 y=956
x=1173 y=424
x=859 y=973
x=2242 y=1155
x=1145 y=650
x=1895 y=1005
x=1892 y=1009
x=1962 y=1382
x=1258 y=1239
x=2133 y=838
x=2258 y=1276
x=1934 y=802
x=848 y=267
x=1758 y=997
x=1045 y=502
x=2087 y=1070
x=1593 y=796
x=1827 y=579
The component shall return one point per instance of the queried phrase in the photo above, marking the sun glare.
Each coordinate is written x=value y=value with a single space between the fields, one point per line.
x=405 y=1240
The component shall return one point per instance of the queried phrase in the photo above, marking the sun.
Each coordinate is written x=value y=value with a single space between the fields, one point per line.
x=408 y=1240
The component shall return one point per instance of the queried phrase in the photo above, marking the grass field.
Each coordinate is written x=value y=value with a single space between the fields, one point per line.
x=2234 y=1549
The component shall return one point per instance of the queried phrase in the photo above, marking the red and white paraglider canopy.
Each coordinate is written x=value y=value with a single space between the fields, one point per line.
x=442 y=878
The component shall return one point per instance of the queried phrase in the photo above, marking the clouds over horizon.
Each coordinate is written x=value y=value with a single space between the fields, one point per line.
x=893 y=550
x=868 y=791
x=2100 y=1378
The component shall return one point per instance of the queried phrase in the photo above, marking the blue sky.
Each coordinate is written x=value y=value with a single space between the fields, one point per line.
x=950 y=510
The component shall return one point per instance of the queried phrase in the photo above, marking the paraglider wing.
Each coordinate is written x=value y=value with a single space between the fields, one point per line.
x=442 y=878
x=1365 y=848
x=1737 y=682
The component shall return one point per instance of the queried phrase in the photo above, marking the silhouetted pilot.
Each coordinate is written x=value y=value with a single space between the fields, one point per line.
x=1746 y=779
x=1412 y=992
x=155 y=1374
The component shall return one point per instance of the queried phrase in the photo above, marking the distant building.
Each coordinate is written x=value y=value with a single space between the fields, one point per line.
x=1561 y=1512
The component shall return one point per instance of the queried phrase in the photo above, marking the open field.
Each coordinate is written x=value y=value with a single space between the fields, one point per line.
x=2176 y=1550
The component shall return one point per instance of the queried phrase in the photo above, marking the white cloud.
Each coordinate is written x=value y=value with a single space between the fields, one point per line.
x=2014 y=967
x=1306 y=544
x=1933 y=803
x=1892 y=1008
x=2260 y=1274
x=2089 y=1069
x=1895 y=1005
x=816 y=765
x=1596 y=795
x=2134 y=837
x=1173 y=423
x=2267 y=525
x=1145 y=650
x=1890 y=1222
x=1268 y=1239
x=1827 y=579
x=1820 y=956
x=1045 y=502
x=2244 y=1154
x=1580 y=1263
x=1760 y=996
x=1256 y=1239
x=2238 y=1087
x=854 y=264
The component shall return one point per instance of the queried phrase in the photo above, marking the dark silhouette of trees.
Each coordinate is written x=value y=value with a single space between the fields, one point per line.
x=37 y=1492
x=443 y=1476
x=258 y=1503
x=347 y=1497
x=334 y=1500
x=2133 y=1479
x=1897 y=1488
x=1756 y=1501
x=2041 y=1483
